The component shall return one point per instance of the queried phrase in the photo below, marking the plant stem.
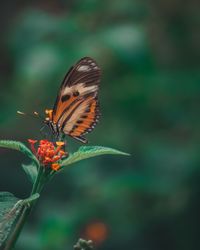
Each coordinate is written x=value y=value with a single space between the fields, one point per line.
x=37 y=187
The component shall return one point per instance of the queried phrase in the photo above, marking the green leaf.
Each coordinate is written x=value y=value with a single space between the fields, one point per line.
x=10 y=210
x=16 y=145
x=30 y=199
x=85 y=152
x=31 y=170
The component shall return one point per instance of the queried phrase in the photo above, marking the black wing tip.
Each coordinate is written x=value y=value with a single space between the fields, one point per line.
x=88 y=58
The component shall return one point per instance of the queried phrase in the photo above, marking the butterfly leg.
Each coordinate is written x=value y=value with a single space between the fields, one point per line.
x=61 y=137
x=42 y=132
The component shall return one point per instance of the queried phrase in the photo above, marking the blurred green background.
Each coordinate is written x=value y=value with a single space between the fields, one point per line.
x=149 y=54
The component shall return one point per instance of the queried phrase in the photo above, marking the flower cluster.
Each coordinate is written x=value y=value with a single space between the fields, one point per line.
x=47 y=153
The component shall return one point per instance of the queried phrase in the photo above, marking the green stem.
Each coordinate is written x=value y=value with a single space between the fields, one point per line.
x=37 y=187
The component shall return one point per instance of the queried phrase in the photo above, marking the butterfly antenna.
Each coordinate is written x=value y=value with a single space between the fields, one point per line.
x=34 y=115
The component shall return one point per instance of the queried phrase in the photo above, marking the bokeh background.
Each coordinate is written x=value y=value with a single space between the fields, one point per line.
x=149 y=54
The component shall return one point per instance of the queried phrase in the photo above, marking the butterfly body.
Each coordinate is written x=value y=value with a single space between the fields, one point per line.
x=76 y=110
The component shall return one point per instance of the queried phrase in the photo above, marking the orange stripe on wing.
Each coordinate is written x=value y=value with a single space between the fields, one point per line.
x=61 y=108
x=88 y=122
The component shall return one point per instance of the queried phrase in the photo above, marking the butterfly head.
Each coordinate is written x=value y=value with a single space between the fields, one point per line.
x=49 y=113
x=49 y=121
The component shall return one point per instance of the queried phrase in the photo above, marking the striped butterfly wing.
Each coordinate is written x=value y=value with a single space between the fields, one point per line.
x=76 y=110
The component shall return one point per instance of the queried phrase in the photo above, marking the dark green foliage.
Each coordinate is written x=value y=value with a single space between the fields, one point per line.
x=16 y=145
x=149 y=100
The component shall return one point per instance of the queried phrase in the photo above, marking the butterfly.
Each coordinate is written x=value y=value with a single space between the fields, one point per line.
x=76 y=109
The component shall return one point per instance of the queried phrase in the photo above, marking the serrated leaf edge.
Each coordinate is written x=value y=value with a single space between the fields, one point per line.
x=85 y=152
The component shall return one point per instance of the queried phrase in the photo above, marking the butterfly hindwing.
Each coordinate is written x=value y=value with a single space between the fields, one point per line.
x=76 y=110
x=83 y=119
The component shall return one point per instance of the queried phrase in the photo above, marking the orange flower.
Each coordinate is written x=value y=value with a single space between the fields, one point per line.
x=97 y=232
x=55 y=166
x=32 y=142
x=47 y=153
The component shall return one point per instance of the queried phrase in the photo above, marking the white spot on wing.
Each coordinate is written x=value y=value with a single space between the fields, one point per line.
x=81 y=88
x=84 y=68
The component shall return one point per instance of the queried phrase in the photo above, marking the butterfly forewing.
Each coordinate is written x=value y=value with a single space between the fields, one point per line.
x=76 y=110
